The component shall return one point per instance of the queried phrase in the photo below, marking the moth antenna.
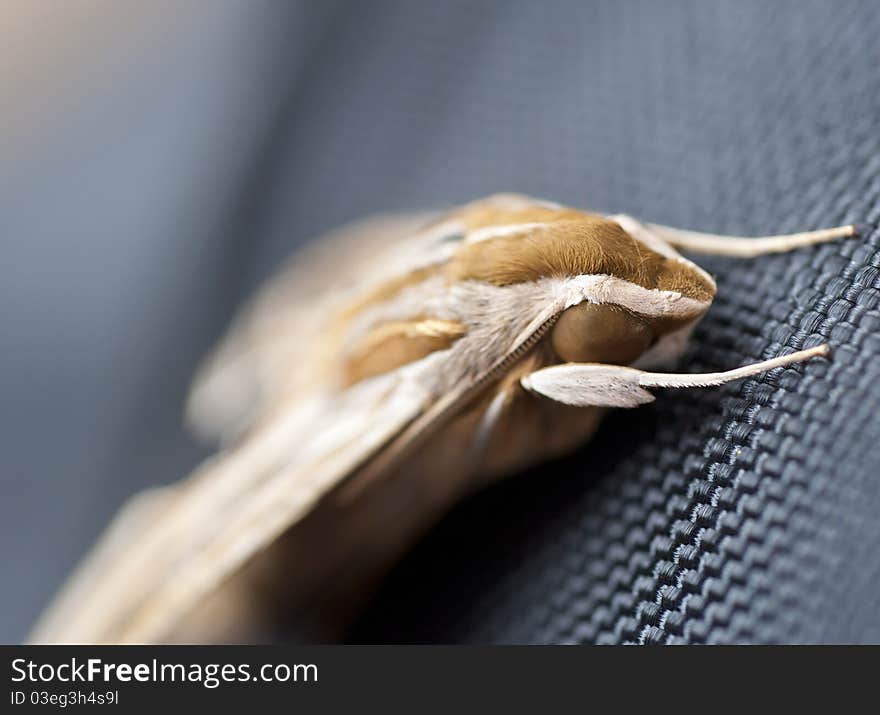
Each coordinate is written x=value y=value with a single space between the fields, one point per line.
x=708 y=379
x=744 y=247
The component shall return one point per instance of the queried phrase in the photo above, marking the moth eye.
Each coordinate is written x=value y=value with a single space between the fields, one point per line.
x=600 y=333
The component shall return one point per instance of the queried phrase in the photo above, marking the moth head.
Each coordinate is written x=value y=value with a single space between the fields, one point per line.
x=630 y=297
x=657 y=298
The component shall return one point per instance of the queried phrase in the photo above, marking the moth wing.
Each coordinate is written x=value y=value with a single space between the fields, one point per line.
x=244 y=372
x=168 y=550
x=158 y=564
x=131 y=522
x=155 y=567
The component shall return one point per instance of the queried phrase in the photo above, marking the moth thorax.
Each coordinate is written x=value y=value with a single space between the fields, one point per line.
x=589 y=332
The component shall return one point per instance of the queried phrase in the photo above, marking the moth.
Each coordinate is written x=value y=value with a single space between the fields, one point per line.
x=395 y=367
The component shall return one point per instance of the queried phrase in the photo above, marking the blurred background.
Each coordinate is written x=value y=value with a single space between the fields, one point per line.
x=158 y=160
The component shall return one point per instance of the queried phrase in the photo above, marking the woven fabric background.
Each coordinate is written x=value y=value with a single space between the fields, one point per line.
x=738 y=515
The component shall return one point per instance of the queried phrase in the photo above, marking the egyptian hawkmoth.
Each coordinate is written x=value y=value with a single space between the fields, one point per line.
x=397 y=366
